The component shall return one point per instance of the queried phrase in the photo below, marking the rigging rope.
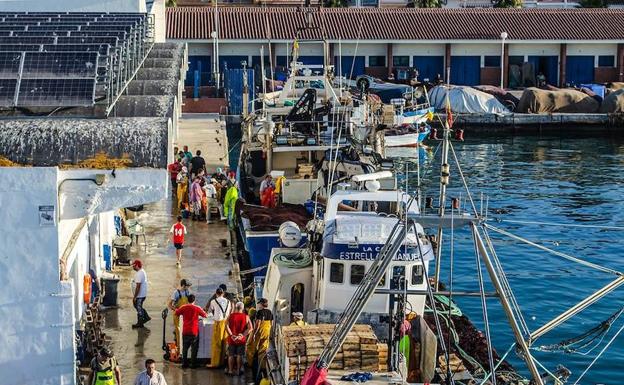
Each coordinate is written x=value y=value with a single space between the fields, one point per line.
x=558 y=253
x=560 y=224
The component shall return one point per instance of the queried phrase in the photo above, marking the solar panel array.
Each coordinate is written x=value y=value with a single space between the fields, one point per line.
x=69 y=59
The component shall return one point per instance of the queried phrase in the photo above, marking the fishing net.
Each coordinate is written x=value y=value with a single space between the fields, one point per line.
x=590 y=339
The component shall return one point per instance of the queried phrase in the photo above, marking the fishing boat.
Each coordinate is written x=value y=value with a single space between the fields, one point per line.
x=302 y=136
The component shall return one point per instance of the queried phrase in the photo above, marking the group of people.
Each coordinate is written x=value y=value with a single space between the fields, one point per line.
x=195 y=190
x=105 y=371
x=236 y=337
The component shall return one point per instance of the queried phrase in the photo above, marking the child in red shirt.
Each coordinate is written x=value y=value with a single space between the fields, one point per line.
x=179 y=231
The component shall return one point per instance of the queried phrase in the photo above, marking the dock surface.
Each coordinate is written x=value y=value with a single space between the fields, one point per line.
x=205 y=262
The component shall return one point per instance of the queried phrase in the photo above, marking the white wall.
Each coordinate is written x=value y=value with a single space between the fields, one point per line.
x=363 y=49
x=466 y=49
x=73 y=5
x=36 y=310
x=533 y=49
x=250 y=49
x=160 y=21
x=129 y=187
x=402 y=49
x=305 y=49
x=200 y=49
x=591 y=49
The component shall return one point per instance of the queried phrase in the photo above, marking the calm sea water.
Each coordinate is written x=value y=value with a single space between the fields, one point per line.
x=547 y=179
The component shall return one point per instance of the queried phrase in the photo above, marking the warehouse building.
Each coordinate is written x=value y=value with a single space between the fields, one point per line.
x=568 y=46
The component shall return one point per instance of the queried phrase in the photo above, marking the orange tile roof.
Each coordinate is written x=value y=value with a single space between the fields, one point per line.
x=281 y=23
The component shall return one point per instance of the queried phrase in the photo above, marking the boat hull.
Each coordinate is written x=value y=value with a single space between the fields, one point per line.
x=406 y=140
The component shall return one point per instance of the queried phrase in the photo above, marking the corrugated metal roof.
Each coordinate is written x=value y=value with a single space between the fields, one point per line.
x=238 y=23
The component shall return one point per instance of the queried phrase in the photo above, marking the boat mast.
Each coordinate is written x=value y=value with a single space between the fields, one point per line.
x=444 y=180
x=520 y=342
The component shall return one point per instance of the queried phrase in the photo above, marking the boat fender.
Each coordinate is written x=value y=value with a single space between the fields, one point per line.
x=455 y=203
x=433 y=134
x=429 y=202
x=459 y=135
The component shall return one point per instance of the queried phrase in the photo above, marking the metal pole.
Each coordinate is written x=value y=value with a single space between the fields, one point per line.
x=520 y=342
x=502 y=63
x=444 y=179
x=576 y=308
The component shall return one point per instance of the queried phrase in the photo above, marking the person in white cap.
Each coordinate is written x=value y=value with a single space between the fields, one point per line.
x=298 y=320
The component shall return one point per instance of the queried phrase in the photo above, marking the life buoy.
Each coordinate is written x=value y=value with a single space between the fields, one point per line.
x=86 y=285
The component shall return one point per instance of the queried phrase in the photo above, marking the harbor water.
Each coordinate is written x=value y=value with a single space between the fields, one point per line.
x=561 y=180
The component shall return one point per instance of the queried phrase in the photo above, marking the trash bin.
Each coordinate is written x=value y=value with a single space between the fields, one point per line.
x=121 y=245
x=110 y=290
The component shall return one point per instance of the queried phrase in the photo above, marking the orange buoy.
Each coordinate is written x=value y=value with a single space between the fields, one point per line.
x=86 y=285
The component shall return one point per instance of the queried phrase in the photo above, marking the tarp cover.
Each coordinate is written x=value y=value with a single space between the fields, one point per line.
x=536 y=101
x=466 y=100
x=507 y=99
x=614 y=102
x=616 y=85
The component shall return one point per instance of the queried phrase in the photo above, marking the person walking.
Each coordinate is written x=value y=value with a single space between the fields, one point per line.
x=139 y=291
x=220 y=308
x=178 y=230
x=190 y=330
x=178 y=299
x=238 y=327
x=104 y=369
x=187 y=154
x=182 y=192
x=150 y=376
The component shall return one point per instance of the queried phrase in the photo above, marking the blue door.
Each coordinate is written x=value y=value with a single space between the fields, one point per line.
x=203 y=64
x=347 y=63
x=429 y=67
x=465 y=70
x=579 y=69
x=232 y=62
x=548 y=65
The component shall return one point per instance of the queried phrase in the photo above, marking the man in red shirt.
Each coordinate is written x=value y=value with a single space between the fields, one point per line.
x=190 y=316
x=238 y=327
x=178 y=230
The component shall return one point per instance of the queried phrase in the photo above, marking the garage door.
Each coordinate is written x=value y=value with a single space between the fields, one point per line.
x=465 y=70
x=429 y=67
x=232 y=62
x=347 y=63
x=547 y=65
x=579 y=69
x=201 y=64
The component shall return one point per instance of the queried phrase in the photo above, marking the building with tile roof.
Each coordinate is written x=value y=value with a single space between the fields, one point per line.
x=574 y=46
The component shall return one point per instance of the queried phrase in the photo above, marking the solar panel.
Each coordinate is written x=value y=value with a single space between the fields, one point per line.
x=27 y=39
x=53 y=27
x=56 y=92
x=7 y=91
x=10 y=65
x=101 y=49
x=40 y=33
x=20 y=47
x=52 y=59
x=60 y=64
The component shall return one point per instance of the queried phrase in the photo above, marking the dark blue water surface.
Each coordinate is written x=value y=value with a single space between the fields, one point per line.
x=546 y=179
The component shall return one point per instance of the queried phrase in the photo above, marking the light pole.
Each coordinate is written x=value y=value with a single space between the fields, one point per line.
x=503 y=36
